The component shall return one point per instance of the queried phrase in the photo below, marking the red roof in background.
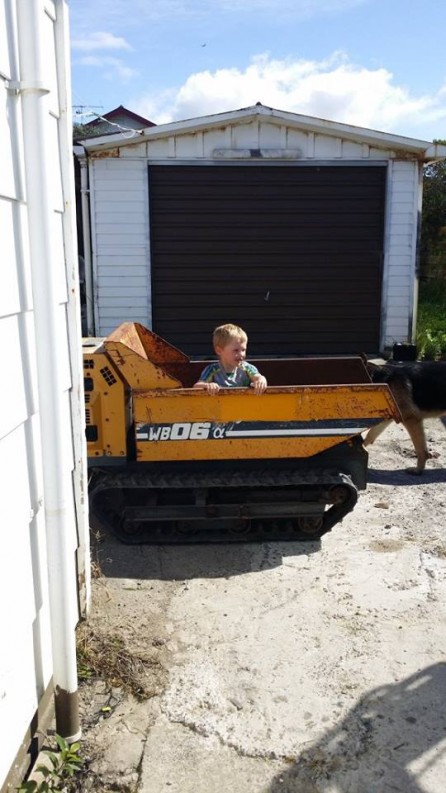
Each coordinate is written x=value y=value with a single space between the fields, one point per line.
x=119 y=112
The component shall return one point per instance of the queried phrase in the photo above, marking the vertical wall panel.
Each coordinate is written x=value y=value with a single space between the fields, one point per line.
x=26 y=666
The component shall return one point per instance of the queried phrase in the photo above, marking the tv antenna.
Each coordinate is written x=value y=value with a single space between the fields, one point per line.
x=86 y=110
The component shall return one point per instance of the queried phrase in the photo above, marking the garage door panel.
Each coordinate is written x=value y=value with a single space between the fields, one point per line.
x=192 y=266
x=271 y=249
x=271 y=204
x=311 y=307
x=282 y=251
x=341 y=231
x=271 y=246
x=263 y=291
x=290 y=341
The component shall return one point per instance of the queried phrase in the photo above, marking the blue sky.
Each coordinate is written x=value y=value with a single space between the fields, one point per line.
x=374 y=63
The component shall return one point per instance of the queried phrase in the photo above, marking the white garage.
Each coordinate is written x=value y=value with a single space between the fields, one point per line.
x=301 y=230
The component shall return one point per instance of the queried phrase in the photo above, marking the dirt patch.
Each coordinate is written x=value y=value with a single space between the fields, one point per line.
x=123 y=643
x=386 y=546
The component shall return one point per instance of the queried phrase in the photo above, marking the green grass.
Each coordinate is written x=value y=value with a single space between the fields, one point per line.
x=431 y=323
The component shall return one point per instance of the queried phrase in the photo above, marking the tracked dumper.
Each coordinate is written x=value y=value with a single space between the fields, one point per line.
x=170 y=463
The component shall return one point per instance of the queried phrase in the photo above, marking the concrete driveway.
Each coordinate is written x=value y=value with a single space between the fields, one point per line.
x=285 y=667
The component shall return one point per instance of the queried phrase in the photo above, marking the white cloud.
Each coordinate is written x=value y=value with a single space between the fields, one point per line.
x=335 y=89
x=100 y=41
x=110 y=68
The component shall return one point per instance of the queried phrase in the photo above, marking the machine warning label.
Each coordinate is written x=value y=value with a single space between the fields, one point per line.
x=209 y=430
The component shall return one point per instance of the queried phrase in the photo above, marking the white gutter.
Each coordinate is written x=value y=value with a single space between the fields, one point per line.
x=81 y=155
x=51 y=353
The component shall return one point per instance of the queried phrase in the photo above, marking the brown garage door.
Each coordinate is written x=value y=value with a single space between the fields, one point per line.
x=292 y=254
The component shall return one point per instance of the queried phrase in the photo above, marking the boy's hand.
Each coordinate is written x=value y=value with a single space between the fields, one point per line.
x=259 y=384
x=211 y=388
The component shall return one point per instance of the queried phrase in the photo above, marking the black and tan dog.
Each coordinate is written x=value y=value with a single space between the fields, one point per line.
x=419 y=389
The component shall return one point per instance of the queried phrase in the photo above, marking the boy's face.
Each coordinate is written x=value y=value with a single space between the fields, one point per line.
x=232 y=354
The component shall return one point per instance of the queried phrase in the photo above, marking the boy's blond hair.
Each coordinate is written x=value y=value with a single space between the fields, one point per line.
x=226 y=333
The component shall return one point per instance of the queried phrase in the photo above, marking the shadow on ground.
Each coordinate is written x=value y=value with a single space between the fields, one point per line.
x=397 y=477
x=377 y=744
x=184 y=562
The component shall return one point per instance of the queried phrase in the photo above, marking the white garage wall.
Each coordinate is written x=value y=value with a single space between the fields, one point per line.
x=403 y=208
x=120 y=243
x=120 y=195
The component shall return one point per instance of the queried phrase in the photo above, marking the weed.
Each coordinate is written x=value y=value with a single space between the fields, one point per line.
x=106 y=657
x=59 y=768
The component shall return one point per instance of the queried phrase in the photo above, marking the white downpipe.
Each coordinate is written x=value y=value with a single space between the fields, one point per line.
x=51 y=350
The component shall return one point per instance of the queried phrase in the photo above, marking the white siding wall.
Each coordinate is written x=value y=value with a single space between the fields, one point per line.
x=120 y=242
x=400 y=253
x=120 y=218
x=26 y=665
x=253 y=135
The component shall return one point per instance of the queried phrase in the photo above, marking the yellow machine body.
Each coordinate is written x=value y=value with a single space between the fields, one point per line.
x=128 y=391
x=107 y=406
x=235 y=423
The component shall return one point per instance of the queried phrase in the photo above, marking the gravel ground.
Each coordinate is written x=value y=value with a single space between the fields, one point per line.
x=282 y=667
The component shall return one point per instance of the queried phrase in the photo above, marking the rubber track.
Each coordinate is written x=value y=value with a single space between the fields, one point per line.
x=322 y=479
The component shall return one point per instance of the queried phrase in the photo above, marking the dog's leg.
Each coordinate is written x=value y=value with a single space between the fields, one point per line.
x=375 y=432
x=415 y=428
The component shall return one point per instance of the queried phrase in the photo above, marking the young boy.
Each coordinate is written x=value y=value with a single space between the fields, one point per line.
x=231 y=370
